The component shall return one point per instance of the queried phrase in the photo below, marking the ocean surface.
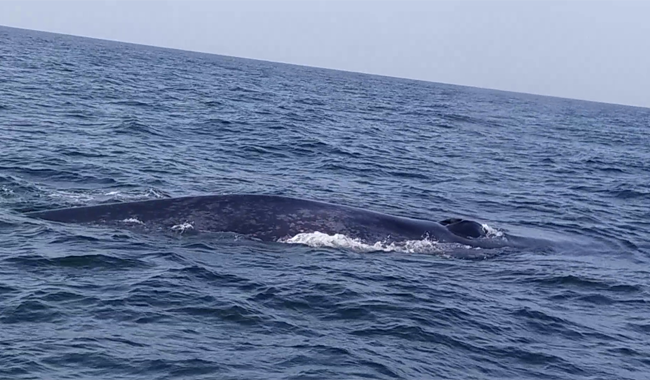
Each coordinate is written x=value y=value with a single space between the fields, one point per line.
x=84 y=122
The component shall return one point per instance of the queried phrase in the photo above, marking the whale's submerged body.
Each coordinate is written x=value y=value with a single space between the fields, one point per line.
x=271 y=218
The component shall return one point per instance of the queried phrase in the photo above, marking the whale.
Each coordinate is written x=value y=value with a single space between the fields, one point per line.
x=270 y=218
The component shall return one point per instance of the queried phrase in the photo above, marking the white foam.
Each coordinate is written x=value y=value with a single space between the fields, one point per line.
x=88 y=196
x=149 y=193
x=133 y=221
x=491 y=232
x=154 y=193
x=5 y=193
x=319 y=239
x=71 y=196
x=182 y=227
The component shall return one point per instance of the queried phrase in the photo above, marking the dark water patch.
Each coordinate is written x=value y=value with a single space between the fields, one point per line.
x=194 y=367
x=130 y=315
x=132 y=127
x=539 y=316
x=351 y=313
x=132 y=103
x=409 y=175
x=413 y=333
x=79 y=114
x=81 y=361
x=310 y=101
x=641 y=327
x=6 y=225
x=269 y=151
x=7 y=292
x=243 y=89
x=209 y=277
x=549 y=324
x=632 y=194
x=74 y=239
x=29 y=311
x=265 y=294
x=76 y=153
x=315 y=147
x=235 y=314
x=338 y=356
x=640 y=301
x=124 y=341
x=213 y=103
x=20 y=367
x=626 y=351
x=217 y=122
x=596 y=299
x=86 y=262
x=63 y=296
x=578 y=282
x=64 y=174
x=610 y=169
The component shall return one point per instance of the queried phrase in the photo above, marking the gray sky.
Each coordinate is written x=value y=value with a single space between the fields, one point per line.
x=577 y=49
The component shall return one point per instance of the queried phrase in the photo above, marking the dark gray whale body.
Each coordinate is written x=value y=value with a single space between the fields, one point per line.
x=271 y=218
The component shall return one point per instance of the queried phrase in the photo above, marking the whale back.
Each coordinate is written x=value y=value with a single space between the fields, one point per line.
x=267 y=218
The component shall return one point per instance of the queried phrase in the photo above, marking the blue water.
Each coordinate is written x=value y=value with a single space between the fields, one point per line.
x=84 y=122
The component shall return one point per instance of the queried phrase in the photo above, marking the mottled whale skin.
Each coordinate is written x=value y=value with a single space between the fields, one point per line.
x=271 y=218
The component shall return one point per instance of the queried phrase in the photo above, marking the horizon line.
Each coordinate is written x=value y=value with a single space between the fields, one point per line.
x=327 y=68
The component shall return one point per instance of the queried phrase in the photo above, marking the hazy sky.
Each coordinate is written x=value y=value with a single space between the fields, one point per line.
x=577 y=49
